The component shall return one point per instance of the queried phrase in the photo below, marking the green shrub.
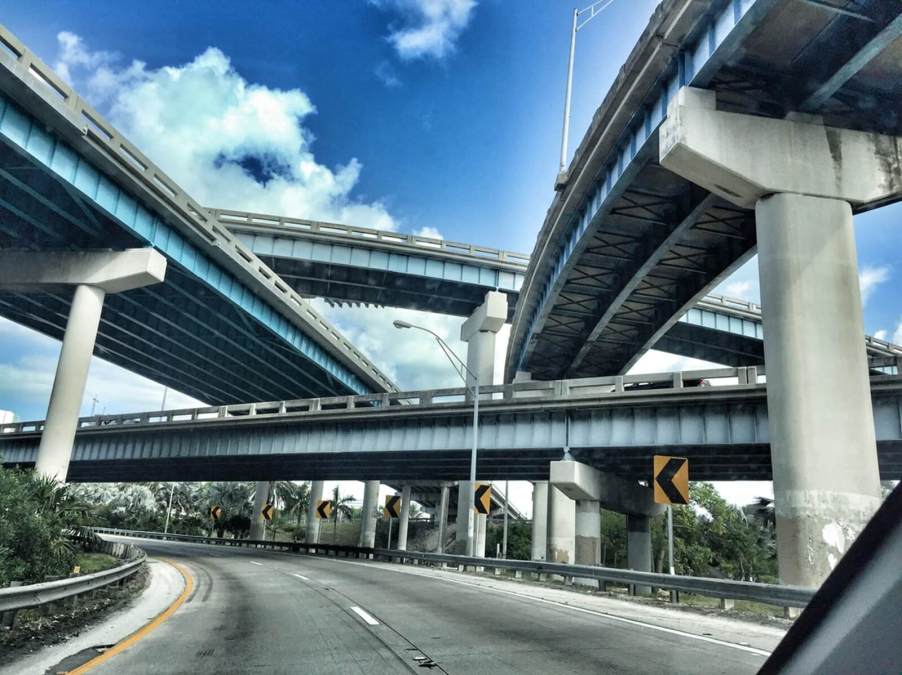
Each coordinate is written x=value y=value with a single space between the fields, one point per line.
x=34 y=514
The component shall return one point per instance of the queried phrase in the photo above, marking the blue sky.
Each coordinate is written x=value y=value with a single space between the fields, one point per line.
x=433 y=116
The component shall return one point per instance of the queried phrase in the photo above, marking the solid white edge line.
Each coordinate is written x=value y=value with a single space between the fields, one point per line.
x=300 y=576
x=365 y=616
x=604 y=615
x=254 y=562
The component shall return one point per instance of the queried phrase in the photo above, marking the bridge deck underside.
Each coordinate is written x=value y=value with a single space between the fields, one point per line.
x=663 y=243
x=345 y=283
x=619 y=288
x=181 y=333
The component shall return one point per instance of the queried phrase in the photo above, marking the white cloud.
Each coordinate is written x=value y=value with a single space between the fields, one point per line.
x=429 y=232
x=26 y=381
x=869 y=278
x=654 y=361
x=738 y=289
x=881 y=334
x=428 y=28
x=387 y=75
x=897 y=334
x=409 y=357
x=228 y=142
x=73 y=53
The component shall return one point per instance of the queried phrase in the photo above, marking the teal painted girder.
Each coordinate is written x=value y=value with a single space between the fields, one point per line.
x=24 y=132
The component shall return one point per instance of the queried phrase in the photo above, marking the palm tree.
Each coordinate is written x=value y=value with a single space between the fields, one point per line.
x=295 y=497
x=234 y=498
x=762 y=510
x=340 y=506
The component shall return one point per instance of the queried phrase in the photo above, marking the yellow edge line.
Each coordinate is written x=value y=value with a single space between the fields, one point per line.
x=142 y=632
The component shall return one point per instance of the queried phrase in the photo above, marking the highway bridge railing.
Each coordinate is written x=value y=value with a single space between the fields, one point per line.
x=726 y=589
x=583 y=388
x=15 y=598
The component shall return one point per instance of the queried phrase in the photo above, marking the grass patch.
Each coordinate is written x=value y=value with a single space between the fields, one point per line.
x=96 y=562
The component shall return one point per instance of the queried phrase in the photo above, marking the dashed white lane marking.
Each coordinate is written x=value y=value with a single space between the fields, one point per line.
x=300 y=576
x=582 y=610
x=365 y=616
x=254 y=562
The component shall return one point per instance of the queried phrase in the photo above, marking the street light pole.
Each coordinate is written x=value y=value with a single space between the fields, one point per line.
x=471 y=524
x=592 y=10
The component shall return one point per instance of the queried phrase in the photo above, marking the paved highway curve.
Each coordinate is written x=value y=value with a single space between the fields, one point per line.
x=254 y=611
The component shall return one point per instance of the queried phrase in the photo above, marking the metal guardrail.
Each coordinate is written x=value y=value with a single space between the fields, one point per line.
x=35 y=595
x=771 y=594
x=287 y=546
x=633 y=385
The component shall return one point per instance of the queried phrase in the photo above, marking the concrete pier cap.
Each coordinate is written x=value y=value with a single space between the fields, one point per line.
x=582 y=482
x=111 y=271
x=723 y=152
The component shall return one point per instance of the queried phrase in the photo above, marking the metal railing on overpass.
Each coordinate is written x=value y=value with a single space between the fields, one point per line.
x=639 y=385
x=243 y=221
x=728 y=589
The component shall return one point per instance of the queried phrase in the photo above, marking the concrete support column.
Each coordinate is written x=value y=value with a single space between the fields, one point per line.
x=262 y=494
x=638 y=547
x=479 y=549
x=823 y=448
x=539 y=520
x=561 y=527
x=92 y=274
x=58 y=436
x=316 y=495
x=588 y=532
x=402 y=520
x=464 y=504
x=442 y=519
x=368 y=514
x=823 y=452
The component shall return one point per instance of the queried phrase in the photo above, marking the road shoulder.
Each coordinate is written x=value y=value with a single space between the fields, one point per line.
x=164 y=586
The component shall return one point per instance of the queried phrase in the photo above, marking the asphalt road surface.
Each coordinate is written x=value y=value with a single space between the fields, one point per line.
x=253 y=611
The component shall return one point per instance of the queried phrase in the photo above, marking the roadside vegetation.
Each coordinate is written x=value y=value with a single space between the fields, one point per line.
x=712 y=537
x=37 y=520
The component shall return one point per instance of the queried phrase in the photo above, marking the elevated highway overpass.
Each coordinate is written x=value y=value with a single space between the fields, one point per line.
x=628 y=247
x=355 y=265
x=615 y=424
x=222 y=327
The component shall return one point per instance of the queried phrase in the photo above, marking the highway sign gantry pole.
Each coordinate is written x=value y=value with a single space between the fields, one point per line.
x=452 y=356
x=504 y=537
x=593 y=10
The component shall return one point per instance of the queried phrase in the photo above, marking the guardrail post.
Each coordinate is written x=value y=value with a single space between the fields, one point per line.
x=727 y=603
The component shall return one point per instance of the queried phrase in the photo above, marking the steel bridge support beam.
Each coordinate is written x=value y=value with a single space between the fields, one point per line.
x=93 y=274
x=311 y=536
x=802 y=179
x=369 y=513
